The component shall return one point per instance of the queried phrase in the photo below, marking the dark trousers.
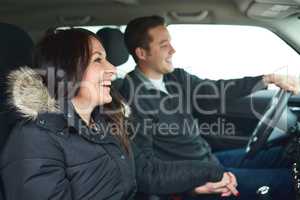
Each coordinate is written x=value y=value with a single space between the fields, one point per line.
x=267 y=168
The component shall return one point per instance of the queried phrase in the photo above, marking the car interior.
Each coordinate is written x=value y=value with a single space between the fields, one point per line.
x=23 y=22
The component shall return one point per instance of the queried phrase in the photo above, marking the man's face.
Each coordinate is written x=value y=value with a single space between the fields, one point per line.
x=159 y=55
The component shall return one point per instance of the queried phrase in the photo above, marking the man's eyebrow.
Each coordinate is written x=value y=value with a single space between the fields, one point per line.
x=163 y=41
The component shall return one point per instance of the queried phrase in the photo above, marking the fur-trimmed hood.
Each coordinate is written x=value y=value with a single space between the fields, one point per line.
x=28 y=94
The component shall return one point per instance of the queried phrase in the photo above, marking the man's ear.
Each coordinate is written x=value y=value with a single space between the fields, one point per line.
x=140 y=53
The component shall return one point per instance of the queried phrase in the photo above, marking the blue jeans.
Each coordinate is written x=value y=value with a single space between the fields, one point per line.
x=267 y=168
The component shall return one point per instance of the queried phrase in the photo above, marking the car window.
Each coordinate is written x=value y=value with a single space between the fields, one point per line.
x=225 y=51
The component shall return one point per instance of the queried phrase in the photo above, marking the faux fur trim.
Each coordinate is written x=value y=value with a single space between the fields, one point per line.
x=28 y=93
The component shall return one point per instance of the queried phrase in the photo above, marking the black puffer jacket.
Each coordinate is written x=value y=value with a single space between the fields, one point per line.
x=53 y=155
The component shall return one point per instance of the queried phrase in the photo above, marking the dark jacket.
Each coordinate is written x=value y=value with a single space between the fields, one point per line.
x=52 y=154
x=169 y=131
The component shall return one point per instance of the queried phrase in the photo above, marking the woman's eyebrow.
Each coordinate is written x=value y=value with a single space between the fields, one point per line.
x=98 y=52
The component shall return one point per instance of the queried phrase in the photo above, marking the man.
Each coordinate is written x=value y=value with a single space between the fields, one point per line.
x=163 y=100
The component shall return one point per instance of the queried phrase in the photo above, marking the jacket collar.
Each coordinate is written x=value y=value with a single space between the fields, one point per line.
x=139 y=79
x=68 y=121
x=140 y=75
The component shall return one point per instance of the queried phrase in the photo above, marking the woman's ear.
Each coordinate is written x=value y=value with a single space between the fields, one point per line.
x=140 y=53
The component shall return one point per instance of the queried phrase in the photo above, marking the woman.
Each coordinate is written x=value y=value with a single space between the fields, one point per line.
x=72 y=143
x=60 y=150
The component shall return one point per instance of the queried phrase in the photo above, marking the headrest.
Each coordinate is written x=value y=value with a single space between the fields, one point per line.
x=113 y=43
x=15 y=50
x=16 y=46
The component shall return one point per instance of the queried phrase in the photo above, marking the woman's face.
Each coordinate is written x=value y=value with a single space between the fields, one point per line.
x=96 y=81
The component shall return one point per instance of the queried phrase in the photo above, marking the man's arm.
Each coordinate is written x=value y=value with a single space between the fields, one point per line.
x=155 y=176
x=206 y=95
x=235 y=88
x=230 y=88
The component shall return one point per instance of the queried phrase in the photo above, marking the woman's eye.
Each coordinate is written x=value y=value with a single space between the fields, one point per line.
x=98 y=60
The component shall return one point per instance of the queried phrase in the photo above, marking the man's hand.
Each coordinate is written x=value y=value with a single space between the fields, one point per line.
x=289 y=83
x=231 y=186
x=226 y=187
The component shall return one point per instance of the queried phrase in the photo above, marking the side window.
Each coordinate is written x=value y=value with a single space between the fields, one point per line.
x=225 y=51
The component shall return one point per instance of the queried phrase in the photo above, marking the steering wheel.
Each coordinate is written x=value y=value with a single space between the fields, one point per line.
x=267 y=123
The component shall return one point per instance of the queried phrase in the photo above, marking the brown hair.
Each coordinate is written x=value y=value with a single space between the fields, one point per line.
x=136 y=33
x=67 y=54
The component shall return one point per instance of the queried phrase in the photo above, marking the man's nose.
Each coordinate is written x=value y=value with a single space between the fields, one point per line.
x=172 y=49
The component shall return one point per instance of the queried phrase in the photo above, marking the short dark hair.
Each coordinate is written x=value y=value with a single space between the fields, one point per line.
x=136 y=33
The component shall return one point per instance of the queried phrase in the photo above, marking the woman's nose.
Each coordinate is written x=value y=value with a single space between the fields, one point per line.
x=110 y=69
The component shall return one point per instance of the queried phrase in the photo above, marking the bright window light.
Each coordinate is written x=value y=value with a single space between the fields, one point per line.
x=225 y=51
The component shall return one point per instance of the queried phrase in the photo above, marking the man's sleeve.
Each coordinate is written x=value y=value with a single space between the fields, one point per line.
x=155 y=176
x=231 y=88
x=207 y=95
